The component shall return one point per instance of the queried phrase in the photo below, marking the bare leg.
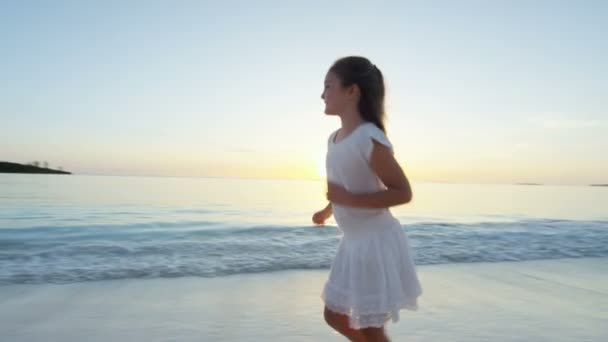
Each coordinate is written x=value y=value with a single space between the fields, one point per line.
x=340 y=323
x=375 y=335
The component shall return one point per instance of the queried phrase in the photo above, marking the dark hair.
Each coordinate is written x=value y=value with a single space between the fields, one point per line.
x=360 y=71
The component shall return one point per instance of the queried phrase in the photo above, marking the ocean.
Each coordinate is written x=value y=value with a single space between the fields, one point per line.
x=77 y=228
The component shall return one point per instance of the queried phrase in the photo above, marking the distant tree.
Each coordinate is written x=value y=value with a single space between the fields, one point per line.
x=36 y=164
x=46 y=165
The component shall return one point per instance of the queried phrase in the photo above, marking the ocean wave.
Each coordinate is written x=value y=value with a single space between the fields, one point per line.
x=64 y=254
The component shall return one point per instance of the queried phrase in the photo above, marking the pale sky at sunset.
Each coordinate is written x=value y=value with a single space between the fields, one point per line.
x=478 y=91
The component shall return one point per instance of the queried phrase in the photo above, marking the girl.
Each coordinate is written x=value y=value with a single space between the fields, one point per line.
x=373 y=275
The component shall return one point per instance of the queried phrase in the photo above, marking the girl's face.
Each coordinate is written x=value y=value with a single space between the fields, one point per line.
x=335 y=96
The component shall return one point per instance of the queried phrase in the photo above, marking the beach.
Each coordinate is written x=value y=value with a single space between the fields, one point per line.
x=548 y=300
x=96 y=258
x=167 y=170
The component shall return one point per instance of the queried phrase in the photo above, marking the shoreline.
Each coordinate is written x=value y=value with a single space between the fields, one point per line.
x=556 y=300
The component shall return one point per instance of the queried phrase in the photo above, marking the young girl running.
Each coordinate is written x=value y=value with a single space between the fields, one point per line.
x=373 y=275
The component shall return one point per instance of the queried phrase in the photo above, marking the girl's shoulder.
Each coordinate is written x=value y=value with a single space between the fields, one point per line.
x=368 y=134
x=363 y=138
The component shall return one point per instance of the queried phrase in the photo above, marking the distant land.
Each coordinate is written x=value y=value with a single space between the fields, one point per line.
x=7 y=167
x=598 y=184
x=528 y=184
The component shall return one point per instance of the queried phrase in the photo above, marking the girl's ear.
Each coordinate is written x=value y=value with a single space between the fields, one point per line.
x=354 y=91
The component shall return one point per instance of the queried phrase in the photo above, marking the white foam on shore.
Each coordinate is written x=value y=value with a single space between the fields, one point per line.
x=551 y=300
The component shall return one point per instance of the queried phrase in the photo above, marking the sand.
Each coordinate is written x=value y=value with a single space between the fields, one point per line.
x=550 y=300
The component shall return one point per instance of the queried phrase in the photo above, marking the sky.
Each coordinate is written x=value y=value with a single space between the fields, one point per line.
x=477 y=91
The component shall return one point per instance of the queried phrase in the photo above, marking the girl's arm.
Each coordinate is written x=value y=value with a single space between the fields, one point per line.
x=384 y=164
x=328 y=209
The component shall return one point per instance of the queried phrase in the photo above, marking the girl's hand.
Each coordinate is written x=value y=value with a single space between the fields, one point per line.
x=337 y=194
x=320 y=217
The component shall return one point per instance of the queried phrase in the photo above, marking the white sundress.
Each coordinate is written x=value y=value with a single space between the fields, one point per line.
x=373 y=275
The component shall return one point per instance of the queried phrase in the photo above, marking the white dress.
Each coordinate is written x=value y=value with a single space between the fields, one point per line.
x=373 y=275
